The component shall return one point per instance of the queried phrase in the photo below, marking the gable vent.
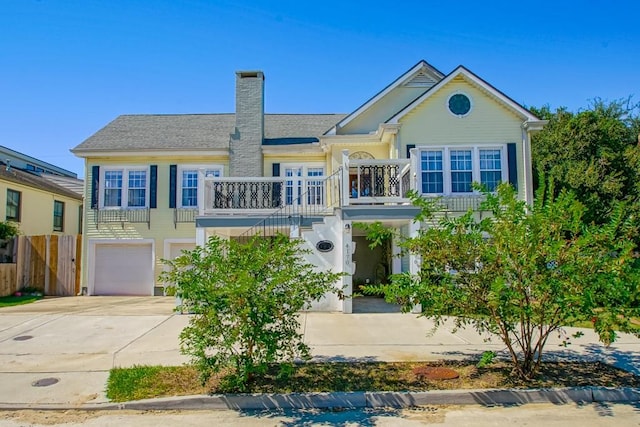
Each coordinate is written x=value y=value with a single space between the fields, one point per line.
x=421 y=80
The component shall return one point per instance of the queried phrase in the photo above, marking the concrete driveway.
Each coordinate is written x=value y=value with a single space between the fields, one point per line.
x=77 y=340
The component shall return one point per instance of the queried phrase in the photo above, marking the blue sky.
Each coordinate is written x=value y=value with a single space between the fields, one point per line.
x=68 y=67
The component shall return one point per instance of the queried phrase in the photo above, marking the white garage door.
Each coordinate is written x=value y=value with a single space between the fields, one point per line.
x=123 y=270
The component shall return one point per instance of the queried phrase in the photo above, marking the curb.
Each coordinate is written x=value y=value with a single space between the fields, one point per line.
x=485 y=397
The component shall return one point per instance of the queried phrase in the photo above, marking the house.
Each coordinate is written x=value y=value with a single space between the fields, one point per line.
x=39 y=197
x=158 y=184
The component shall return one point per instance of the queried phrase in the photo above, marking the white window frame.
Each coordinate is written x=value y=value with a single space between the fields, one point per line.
x=197 y=168
x=475 y=165
x=303 y=177
x=124 y=200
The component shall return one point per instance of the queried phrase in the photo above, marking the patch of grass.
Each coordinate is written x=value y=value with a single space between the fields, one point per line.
x=11 y=300
x=142 y=382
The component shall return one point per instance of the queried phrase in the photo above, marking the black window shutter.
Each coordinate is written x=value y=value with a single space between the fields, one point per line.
x=153 y=183
x=276 y=196
x=409 y=148
x=512 y=161
x=173 y=182
x=95 y=186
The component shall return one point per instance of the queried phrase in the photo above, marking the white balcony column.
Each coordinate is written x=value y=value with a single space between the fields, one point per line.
x=415 y=170
x=346 y=189
x=201 y=191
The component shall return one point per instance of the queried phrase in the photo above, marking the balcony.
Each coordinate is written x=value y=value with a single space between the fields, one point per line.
x=379 y=181
x=316 y=194
x=358 y=182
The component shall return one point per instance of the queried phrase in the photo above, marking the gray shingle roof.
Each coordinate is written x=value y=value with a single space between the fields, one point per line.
x=35 y=181
x=197 y=131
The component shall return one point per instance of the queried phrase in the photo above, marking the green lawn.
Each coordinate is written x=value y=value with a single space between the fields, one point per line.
x=11 y=300
x=143 y=382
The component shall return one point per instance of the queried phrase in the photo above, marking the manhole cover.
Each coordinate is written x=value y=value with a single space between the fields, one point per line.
x=23 y=338
x=45 y=382
x=435 y=373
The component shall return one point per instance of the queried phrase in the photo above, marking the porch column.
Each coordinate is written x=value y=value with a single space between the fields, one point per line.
x=414 y=260
x=396 y=261
x=347 y=267
x=201 y=236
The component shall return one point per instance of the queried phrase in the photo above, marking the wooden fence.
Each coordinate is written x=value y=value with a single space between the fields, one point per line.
x=48 y=263
x=8 y=283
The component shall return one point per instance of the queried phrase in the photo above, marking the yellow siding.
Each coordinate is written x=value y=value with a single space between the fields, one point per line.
x=369 y=120
x=162 y=222
x=293 y=157
x=377 y=150
x=36 y=210
x=431 y=124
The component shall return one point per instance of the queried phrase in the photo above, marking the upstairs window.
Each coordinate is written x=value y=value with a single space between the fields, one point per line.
x=188 y=176
x=490 y=168
x=125 y=188
x=13 y=205
x=452 y=170
x=461 y=171
x=432 y=171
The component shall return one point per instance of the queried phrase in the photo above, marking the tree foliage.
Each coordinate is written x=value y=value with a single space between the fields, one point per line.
x=245 y=299
x=593 y=153
x=523 y=272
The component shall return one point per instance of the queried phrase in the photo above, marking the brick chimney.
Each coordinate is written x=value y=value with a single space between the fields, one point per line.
x=245 y=145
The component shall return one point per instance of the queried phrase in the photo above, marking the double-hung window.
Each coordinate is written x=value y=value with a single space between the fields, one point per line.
x=452 y=170
x=188 y=176
x=432 y=171
x=490 y=168
x=125 y=188
x=461 y=171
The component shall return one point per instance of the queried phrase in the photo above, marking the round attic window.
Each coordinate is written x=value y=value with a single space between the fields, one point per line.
x=459 y=104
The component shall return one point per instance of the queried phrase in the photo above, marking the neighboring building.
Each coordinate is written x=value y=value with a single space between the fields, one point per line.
x=27 y=163
x=37 y=205
x=157 y=184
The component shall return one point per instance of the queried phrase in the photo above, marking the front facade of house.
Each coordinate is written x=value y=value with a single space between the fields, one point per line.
x=156 y=185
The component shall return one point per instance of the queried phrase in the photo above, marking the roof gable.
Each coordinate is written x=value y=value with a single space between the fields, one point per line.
x=421 y=76
x=472 y=78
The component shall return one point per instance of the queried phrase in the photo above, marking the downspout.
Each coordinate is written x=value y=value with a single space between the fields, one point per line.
x=528 y=165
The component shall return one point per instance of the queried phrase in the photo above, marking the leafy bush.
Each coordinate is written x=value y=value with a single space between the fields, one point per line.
x=245 y=300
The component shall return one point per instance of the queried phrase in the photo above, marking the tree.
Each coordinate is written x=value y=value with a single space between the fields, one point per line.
x=245 y=300
x=593 y=153
x=524 y=272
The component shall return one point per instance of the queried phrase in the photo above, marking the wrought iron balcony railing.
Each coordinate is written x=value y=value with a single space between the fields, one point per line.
x=115 y=215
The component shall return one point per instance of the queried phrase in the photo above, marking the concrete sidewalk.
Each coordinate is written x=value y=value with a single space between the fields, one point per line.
x=77 y=340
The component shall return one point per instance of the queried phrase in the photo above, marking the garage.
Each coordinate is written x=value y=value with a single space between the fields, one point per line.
x=123 y=269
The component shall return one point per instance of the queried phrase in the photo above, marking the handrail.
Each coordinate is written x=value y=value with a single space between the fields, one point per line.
x=295 y=214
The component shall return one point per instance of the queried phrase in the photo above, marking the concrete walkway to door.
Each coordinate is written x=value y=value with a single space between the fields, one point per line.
x=77 y=340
